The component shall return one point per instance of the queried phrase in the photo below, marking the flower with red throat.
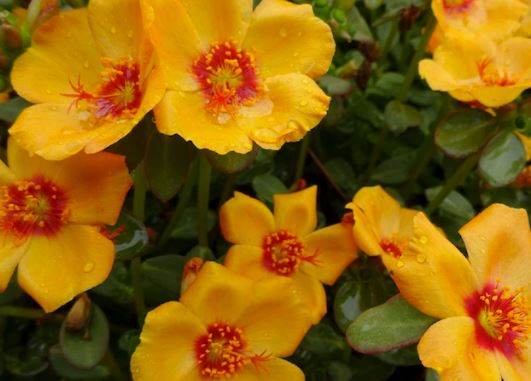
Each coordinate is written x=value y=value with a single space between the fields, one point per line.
x=225 y=326
x=381 y=226
x=485 y=331
x=50 y=218
x=286 y=244
x=237 y=75
x=91 y=74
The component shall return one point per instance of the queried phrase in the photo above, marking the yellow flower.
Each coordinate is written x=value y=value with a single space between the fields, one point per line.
x=236 y=75
x=224 y=327
x=49 y=212
x=90 y=73
x=381 y=226
x=286 y=244
x=496 y=19
x=473 y=68
x=485 y=331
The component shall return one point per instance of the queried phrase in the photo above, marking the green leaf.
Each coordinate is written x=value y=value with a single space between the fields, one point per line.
x=432 y=375
x=323 y=339
x=454 y=204
x=187 y=228
x=357 y=27
x=162 y=278
x=339 y=371
x=232 y=162
x=407 y=356
x=129 y=341
x=85 y=349
x=10 y=110
x=70 y=372
x=23 y=366
x=400 y=116
x=368 y=368
x=465 y=132
x=267 y=185
x=394 y=170
x=503 y=159
x=132 y=238
x=394 y=324
x=167 y=162
x=117 y=286
x=347 y=304
x=335 y=85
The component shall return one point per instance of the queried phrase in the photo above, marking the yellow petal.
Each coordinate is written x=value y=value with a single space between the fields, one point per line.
x=365 y=232
x=245 y=220
x=10 y=254
x=184 y=114
x=248 y=261
x=334 y=248
x=218 y=294
x=61 y=49
x=219 y=21
x=176 y=43
x=56 y=269
x=282 y=31
x=264 y=320
x=297 y=211
x=449 y=346
x=279 y=370
x=312 y=294
x=117 y=27
x=434 y=276
x=6 y=175
x=516 y=368
x=166 y=349
x=498 y=242
x=298 y=106
x=496 y=96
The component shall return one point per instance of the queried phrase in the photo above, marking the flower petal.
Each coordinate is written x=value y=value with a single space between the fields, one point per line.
x=498 y=242
x=264 y=320
x=245 y=220
x=62 y=50
x=247 y=261
x=176 y=43
x=6 y=175
x=56 y=269
x=117 y=27
x=297 y=211
x=516 y=368
x=280 y=29
x=218 y=294
x=334 y=248
x=219 y=21
x=433 y=275
x=10 y=254
x=279 y=370
x=449 y=346
x=184 y=114
x=312 y=294
x=166 y=349
x=298 y=106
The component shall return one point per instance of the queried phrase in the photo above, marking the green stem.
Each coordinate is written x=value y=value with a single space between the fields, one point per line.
x=139 y=211
x=26 y=313
x=110 y=362
x=375 y=155
x=203 y=197
x=184 y=199
x=419 y=53
x=390 y=38
x=301 y=159
x=453 y=182
x=326 y=174
x=228 y=188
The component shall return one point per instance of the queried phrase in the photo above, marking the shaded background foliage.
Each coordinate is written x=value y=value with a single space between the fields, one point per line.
x=384 y=127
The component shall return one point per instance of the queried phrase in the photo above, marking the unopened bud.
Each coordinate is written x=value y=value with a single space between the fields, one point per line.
x=79 y=315
x=190 y=271
x=11 y=36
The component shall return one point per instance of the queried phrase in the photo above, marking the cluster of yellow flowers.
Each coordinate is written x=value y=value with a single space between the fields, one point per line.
x=482 y=50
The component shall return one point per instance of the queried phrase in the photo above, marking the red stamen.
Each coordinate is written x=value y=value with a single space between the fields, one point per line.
x=283 y=253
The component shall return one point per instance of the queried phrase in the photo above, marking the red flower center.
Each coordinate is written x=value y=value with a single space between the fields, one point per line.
x=392 y=247
x=228 y=78
x=457 y=6
x=32 y=207
x=502 y=318
x=490 y=76
x=283 y=253
x=221 y=353
x=119 y=94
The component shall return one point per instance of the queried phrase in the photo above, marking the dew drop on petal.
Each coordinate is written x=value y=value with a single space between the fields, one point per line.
x=88 y=267
x=423 y=239
x=399 y=264
x=113 y=30
x=421 y=258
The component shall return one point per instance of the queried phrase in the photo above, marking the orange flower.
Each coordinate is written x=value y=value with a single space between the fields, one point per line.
x=224 y=327
x=237 y=75
x=381 y=226
x=90 y=73
x=286 y=243
x=49 y=212
x=485 y=333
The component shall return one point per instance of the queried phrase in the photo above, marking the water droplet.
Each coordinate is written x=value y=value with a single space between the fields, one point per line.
x=296 y=54
x=483 y=251
x=283 y=33
x=48 y=91
x=54 y=108
x=482 y=237
x=86 y=65
x=113 y=30
x=303 y=103
x=423 y=239
x=88 y=267
x=305 y=81
x=299 y=34
x=421 y=258
x=399 y=264
x=293 y=125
